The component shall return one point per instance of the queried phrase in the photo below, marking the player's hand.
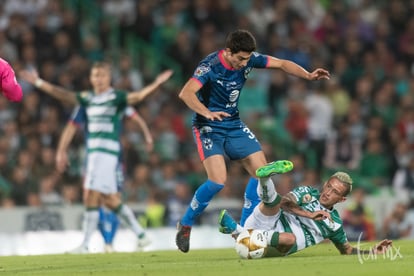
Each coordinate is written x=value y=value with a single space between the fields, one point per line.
x=61 y=161
x=320 y=215
x=217 y=115
x=29 y=75
x=382 y=246
x=164 y=76
x=319 y=74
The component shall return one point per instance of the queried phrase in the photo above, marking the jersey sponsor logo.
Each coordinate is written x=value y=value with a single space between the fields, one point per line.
x=220 y=82
x=234 y=95
x=247 y=72
x=201 y=70
x=103 y=98
x=101 y=110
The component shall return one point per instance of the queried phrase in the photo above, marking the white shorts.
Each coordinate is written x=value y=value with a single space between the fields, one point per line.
x=259 y=221
x=103 y=173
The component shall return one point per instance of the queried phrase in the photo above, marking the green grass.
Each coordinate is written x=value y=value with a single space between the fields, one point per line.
x=323 y=259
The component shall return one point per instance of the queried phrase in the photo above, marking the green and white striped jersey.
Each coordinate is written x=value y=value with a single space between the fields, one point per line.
x=104 y=119
x=309 y=232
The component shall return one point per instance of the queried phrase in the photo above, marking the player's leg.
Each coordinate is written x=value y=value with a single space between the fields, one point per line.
x=215 y=167
x=251 y=199
x=210 y=149
x=113 y=201
x=90 y=220
x=108 y=225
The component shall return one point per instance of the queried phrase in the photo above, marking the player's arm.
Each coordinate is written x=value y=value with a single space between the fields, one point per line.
x=290 y=205
x=297 y=70
x=188 y=95
x=57 y=92
x=144 y=128
x=8 y=83
x=137 y=96
x=347 y=249
x=66 y=137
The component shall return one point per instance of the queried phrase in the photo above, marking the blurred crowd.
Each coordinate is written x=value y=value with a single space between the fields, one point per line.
x=361 y=121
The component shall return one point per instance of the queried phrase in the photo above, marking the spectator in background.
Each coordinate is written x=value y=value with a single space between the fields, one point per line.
x=357 y=218
x=395 y=224
x=342 y=151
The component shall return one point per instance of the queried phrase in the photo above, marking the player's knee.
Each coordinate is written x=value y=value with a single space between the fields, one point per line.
x=287 y=239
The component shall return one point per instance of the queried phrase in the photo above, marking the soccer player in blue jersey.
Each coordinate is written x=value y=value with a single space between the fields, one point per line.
x=213 y=94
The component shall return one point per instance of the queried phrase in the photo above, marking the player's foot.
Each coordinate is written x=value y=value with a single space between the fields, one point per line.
x=143 y=241
x=276 y=167
x=109 y=248
x=227 y=224
x=182 y=240
x=79 y=250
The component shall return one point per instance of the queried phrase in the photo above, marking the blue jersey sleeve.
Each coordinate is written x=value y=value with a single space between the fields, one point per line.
x=201 y=73
x=258 y=60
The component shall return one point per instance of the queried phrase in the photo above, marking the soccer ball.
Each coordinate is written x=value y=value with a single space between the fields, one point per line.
x=251 y=244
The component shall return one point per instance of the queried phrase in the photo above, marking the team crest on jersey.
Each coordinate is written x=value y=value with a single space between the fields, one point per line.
x=247 y=71
x=201 y=70
x=85 y=95
x=207 y=144
x=306 y=198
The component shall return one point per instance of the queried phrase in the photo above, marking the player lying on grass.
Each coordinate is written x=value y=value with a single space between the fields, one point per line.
x=302 y=218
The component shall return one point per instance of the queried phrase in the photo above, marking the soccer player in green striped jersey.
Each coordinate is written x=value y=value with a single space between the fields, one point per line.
x=104 y=107
x=304 y=217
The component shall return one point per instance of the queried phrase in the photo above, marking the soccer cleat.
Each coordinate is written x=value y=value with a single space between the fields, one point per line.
x=227 y=224
x=143 y=241
x=182 y=240
x=276 y=167
x=79 y=250
x=109 y=248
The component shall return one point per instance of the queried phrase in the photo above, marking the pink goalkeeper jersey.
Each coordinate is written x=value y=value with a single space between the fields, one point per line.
x=8 y=84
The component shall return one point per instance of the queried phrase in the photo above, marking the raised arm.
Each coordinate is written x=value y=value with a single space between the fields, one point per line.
x=61 y=154
x=145 y=130
x=297 y=70
x=288 y=204
x=57 y=92
x=137 y=96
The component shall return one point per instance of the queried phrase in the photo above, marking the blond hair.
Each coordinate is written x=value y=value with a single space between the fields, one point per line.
x=345 y=179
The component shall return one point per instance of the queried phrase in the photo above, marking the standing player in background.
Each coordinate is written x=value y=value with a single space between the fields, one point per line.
x=213 y=94
x=108 y=221
x=8 y=84
x=104 y=109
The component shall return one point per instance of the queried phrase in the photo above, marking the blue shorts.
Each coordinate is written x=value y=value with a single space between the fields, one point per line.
x=235 y=142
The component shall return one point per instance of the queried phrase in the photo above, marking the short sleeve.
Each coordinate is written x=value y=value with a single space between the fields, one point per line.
x=202 y=73
x=258 y=60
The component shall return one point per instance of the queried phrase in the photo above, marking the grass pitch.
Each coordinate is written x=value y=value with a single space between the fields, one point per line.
x=322 y=259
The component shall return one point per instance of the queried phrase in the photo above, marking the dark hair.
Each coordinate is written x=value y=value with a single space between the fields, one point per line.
x=241 y=41
x=101 y=64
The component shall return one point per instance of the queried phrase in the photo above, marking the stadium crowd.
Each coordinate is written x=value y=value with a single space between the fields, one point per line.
x=361 y=121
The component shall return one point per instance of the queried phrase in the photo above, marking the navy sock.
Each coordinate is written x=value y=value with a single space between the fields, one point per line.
x=201 y=199
x=251 y=199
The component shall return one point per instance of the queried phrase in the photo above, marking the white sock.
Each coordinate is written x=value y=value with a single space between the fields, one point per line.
x=128 y=216
x=90 y=223
x=266 y=190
